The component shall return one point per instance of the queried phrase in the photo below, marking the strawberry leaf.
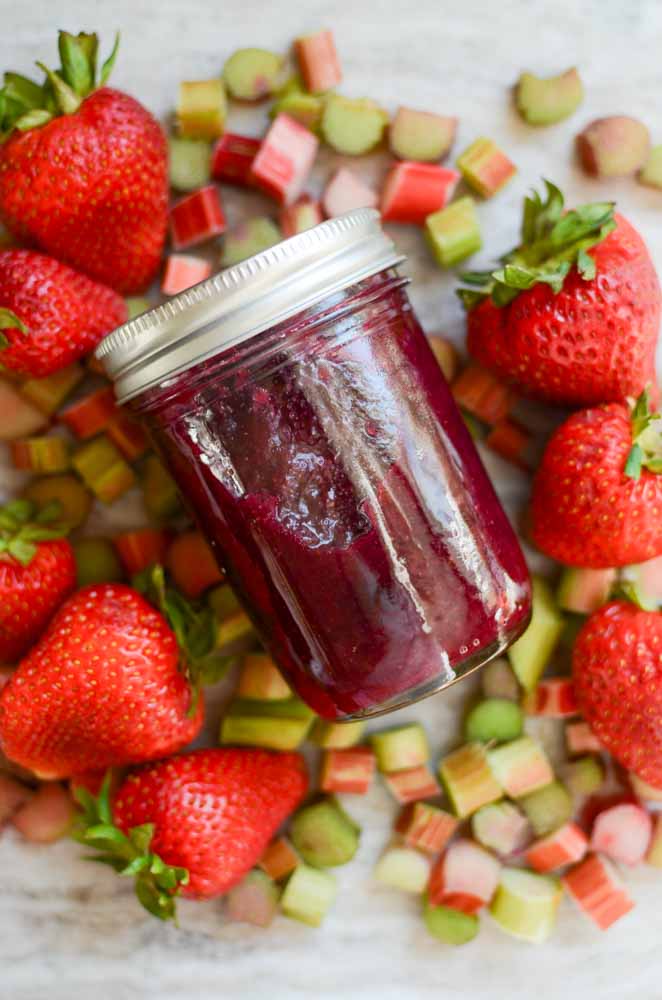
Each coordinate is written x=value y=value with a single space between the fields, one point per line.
x=634 y=462
x=78 y=55
x=10 y=321
x=646 y=451
x=108 y=65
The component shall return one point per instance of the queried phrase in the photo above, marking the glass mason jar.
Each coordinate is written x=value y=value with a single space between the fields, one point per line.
x=297 y=404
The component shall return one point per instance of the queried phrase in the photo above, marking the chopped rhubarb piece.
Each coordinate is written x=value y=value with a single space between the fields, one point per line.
x=525 y=905
x=135 y=306
x=514 y=444
x=48 y=815
x=236 y=629
x=545 y=101
x=520 y=767
x=247 y=239
x=623 y=833
x=468 y=779
x=302 y=215
x=96 y=562
x=642 y=582
x=445 y=354
x=223 y=602
x=553 y=697
x=651 y=173
x=182 y=271
x=40 y=454
x=309 y=895
x=481 y=394
x=254 y=900
x=336 y=735
x=485 y=168
x=232 y=159
x=140 y=549
x=345 y=192
x=252 y=74
x=192 y=565
x=280 y=859
x=128 y=435
x=644 y=791
x=530 y=654
x=284 y=160
x=20 y=417
x=274 y=725
x=201 y=109
x=260 y=678
x=598 y=891
x=352 y=126
x=501 y=827
x=426 y=827
x=304 y=108
x=318 y=61
x=103 y=470
x=13 y=795
x=348 y=771
x=421 y=136
x=450 y=926
x=49 y=393
x=465 y=878
x=498 y=680
x=613 y=147
x=188 y=163
x=413 y=191
x=494 y=720
x=413 y=784
x=565 y=846
x=74 y=500
x=654 y=856
x=196 y=218
x=160 y=496
x=403 y=868
x=580 y=738
x=583 y=591
x=547 y=808
x=401 y=748
x=584 y=776
x=90 y=415
x=324 y=835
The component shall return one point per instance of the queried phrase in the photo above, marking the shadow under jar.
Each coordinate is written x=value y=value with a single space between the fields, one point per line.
x=297 y=404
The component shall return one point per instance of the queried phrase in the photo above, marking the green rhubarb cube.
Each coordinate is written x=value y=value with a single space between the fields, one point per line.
x=453 y=233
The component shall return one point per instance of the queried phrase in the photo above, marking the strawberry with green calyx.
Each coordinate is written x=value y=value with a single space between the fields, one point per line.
x=195 y=823
x=83 y=169
x=572 y=314
x=597 y=495
x=37 y=572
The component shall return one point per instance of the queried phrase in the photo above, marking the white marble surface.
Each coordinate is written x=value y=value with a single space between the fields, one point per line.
x=68 y=928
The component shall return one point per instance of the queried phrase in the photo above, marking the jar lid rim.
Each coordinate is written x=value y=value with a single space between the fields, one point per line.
x=244 y=300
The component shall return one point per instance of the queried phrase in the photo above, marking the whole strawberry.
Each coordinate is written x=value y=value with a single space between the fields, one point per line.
x=617 y=674
x=37 y=572
x=83 y=171
x=205 y=816
x=597 y=496
x=102 y=687
x=572 y=315
x=50 y=315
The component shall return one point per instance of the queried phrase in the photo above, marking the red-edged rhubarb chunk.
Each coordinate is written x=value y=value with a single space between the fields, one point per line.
x=485 y=167
x=139 y=549
x=598 y=891
x=520 y=767
x=280 y=859
x=345 y=192
x=446 y=355
x=412 y=191
x=232 y=159
x=13 y=795
x=302 y=215
x=481 y=394
x=127 y=435
x=254 y=900
x=284 y=159
x=318 y=61
x=513 y=443
x=553 y=697
x=623 y=833
x=565 y=846
x=421 y=135
x=196 y=218
x=465 y=878
x=47 y=816
x=191 y=562
x=654 y=856
x=580 y=738
x=413 y=784
x=90 y=415
x=350 y=771
x=426 y=827
x=183 y=271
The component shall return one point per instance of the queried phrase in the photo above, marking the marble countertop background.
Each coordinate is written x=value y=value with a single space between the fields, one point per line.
x=68 y=928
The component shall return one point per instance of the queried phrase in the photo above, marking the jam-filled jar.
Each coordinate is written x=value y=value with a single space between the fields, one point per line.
x=298 y=406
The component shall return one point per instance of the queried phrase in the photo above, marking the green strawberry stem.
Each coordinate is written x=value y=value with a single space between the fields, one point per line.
x=553 y=242
x=21 y=528
x=25 y=104
x=156 y=883
x=646 y=451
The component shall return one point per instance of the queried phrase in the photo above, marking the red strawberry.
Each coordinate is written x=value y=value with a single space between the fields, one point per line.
x=617 y=673
x=102 y=687
x=50 y=315
x=593 y=503
x=564 y=325
x=208 y=816
x=37 y=572
x=86 y=182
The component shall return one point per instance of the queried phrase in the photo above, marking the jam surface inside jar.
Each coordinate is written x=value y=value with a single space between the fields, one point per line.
x=328 y=465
